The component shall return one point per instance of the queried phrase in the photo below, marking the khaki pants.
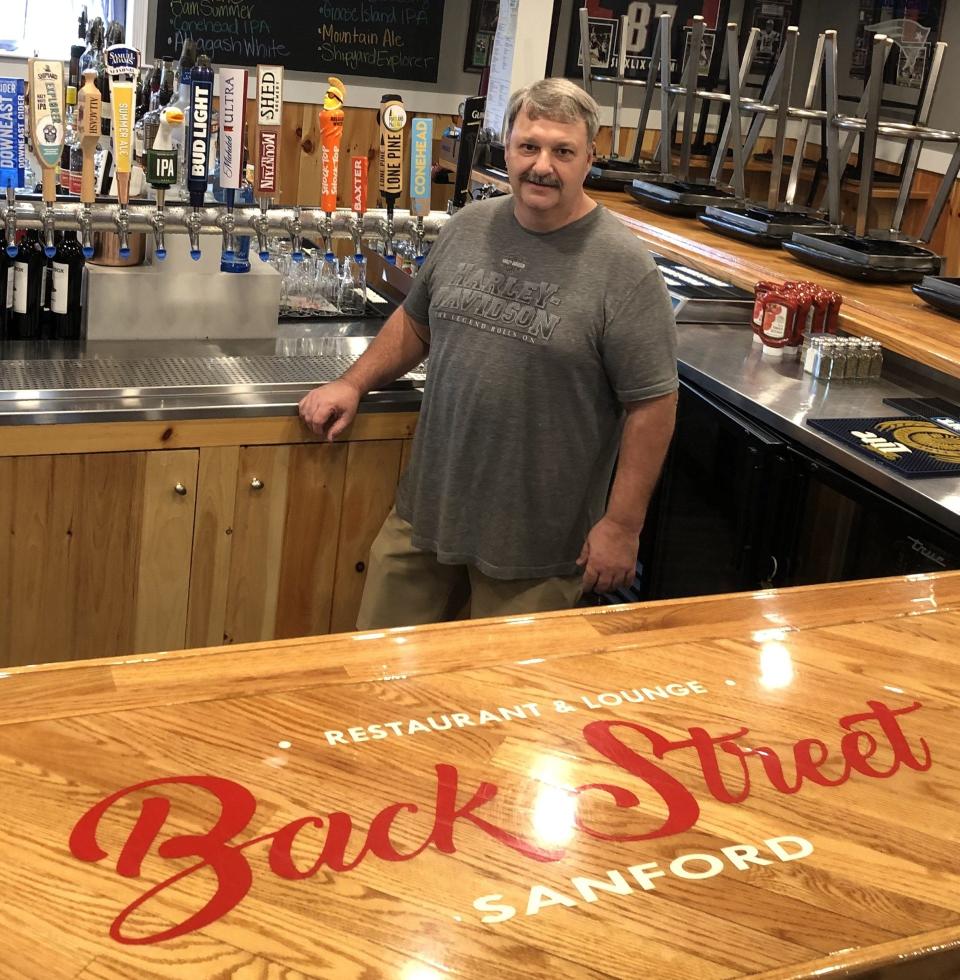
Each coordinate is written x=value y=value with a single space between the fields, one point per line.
x=408 y=587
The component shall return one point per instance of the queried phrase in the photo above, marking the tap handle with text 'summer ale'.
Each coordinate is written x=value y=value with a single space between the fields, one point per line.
x=393 y=119
x=359 y=174
x=47 y=122
x=123 y=66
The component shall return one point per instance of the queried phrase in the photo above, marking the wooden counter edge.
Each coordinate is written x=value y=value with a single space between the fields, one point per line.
x=105 y=437
x=897 y=954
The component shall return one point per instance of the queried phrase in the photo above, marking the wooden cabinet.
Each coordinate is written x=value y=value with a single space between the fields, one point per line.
x=110 y=553
x=94 y=554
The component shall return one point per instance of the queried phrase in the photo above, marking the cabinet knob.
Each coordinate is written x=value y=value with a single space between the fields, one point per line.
x=180 y=489
x=256 y=484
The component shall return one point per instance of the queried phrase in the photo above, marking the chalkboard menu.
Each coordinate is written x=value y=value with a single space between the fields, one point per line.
x=382 y=38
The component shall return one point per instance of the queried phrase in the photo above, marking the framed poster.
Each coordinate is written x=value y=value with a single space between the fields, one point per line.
x=481 y=31
x=771 y=18
x=604 y=19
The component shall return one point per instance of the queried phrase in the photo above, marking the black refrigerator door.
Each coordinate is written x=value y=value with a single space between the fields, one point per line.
x=716 y=521
x=847 y=530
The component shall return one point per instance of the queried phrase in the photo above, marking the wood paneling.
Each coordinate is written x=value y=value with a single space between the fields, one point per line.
x=212 y=546
x=257 y=549
x=314 y=505
x=166 y=537
x=373 y=469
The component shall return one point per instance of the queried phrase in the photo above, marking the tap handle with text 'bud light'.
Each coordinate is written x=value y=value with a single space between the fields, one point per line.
x=269 y=120
x=47 y=126
x=330 y=119
x=13 y=161
x=199 y=124
x=359 y=169
x=392 y=118
x=123 y=66
x=233 y=107
x=162 y=167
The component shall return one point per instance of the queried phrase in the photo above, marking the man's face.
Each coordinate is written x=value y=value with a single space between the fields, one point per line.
x=547 y=162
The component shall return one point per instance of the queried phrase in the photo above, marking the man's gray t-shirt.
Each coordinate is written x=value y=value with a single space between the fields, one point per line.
x=536 y=342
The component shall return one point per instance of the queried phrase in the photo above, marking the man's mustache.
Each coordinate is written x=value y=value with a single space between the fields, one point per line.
x=532 y=178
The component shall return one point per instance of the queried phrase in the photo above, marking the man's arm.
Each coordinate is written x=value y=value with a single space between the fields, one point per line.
x=400 y=346
x=609 y=555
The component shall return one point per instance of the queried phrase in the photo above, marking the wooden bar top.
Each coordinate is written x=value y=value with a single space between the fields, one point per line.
x=892 y=314
x=762 y=784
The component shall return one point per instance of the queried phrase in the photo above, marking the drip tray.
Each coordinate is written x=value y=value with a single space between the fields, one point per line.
x=674 y=196
x=763 y=226
x=616 y=175
x=870 y=259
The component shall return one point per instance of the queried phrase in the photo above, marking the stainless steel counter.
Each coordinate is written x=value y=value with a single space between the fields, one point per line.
x=148 y=380
x=152 y=380
x=725 y=362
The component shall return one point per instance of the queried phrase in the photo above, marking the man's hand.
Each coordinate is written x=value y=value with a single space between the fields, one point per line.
x=329 y=409
x=609 y=556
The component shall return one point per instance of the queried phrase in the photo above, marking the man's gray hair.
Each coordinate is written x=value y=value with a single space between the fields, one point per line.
x=557 y=99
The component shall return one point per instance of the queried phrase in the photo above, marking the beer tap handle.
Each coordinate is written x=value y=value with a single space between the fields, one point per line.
x=10 y=222
x=198 y=145
x=269 y=120
x=233 y=104
x=48 y=126
x=295 y=228
x=89 y=104
x=330 y=119
x=162 y=168
x=123 y=65
x=359 y=174
x=393 y=118
x=12 y=167
x=421 y=152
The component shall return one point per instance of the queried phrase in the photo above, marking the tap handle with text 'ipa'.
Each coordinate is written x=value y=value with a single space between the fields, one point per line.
x=47 y=127
x=162 y=166
x=393 y=119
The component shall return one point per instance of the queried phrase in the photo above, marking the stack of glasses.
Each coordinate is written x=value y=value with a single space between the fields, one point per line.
x=318 y=286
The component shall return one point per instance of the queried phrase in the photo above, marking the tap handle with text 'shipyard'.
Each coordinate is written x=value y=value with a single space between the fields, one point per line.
x=47 y=123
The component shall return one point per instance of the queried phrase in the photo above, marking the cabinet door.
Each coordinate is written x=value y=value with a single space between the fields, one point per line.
x=94 y=554
x=373 y=469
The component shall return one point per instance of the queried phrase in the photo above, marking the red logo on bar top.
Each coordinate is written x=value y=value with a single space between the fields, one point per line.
x=218 y=850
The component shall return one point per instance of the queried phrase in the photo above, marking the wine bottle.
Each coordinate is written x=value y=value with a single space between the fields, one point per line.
x=28 y=279
x=66 y=279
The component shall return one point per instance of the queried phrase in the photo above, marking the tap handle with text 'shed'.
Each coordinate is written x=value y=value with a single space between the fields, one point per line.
x=47 y=125
x=269 y=120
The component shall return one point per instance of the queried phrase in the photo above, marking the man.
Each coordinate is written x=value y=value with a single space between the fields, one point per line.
x=552 y=344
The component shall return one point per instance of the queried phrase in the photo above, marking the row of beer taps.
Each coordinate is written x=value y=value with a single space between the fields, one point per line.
x=195 y=217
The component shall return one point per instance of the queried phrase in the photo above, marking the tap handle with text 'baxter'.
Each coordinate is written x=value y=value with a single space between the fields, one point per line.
x=359 y=175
